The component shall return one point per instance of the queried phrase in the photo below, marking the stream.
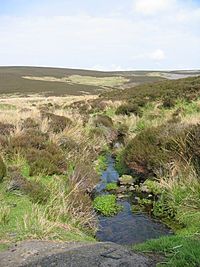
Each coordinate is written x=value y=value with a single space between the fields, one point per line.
x=126 y=227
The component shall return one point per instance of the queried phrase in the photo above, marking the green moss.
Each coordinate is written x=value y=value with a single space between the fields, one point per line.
x=111 y=186
x=106 y=205
x=153 y=186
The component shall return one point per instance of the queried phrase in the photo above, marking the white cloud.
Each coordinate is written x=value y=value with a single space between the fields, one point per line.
x=157 y=55
x=131 y=40
x=188 y=15
x=151 y=7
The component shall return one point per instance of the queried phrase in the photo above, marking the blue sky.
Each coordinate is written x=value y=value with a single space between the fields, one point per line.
x=99 y=34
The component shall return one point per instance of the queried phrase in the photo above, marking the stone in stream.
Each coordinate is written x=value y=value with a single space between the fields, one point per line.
x=74 y=254
x=127 y=180
x=131 y=188
x=144 y=189
x=121 y=190
x=120 y=196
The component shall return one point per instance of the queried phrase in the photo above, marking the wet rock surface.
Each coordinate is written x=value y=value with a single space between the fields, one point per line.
x=46 y=253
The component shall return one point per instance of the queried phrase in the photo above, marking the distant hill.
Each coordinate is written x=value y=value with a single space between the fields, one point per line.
x=60 y=81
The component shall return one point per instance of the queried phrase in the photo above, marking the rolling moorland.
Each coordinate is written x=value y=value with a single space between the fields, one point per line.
x=57 y=127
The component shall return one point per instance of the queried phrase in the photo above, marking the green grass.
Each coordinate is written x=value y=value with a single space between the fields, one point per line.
x=110 y=112
x=7 y=107
x=4 y=246
x=106 y=205
x=179 y=251
x=113 y=81
x=98 y=81
x=19 y=205
x=188 y=108
x=25 y=219
x=101 y=164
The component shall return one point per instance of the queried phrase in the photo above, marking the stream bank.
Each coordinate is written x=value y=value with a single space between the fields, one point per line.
x=126 y=227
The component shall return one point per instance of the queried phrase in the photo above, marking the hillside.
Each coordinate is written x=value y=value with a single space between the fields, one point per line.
x=58 y=81
x=122 y=166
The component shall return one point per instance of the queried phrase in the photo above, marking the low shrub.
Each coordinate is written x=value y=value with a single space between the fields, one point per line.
x=31 y=138
x=102 y=120
x=6 y=128
x=129 y=108
x=57 y=123
x=67 y=143
x=168 y=103
x=152 y=149
x=37 y=192
x=187 y=88
x=29 y=123
x=144 y=154
x=49 y=160
x=193 y=146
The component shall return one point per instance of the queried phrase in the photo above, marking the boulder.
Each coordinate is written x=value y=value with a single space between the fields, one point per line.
x=47 y=253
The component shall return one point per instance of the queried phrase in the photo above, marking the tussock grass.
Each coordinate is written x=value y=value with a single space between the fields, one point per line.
x=67 y=213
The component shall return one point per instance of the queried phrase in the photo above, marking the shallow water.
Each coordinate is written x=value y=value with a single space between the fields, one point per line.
x=125 y=227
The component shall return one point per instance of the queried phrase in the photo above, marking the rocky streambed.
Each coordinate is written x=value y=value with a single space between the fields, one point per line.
x=126 y=227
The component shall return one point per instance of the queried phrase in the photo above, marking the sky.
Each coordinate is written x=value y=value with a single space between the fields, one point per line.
x=101 y=34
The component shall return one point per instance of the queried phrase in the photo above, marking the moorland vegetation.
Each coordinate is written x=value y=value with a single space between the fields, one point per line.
x=53 y=153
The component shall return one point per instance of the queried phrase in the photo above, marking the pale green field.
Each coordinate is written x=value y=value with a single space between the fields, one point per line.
x=84 y=80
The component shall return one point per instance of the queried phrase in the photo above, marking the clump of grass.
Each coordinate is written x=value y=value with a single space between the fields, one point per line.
x=4 y=214
x=6 y=128
x=57 y=123
x=2 y=169
x=101 y=163
x=106 y=205
x=187 y=107
x=179 y=251
x=36 y=225
x=120 y=164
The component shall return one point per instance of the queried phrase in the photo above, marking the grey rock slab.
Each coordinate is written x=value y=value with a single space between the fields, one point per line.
x=73 y=254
